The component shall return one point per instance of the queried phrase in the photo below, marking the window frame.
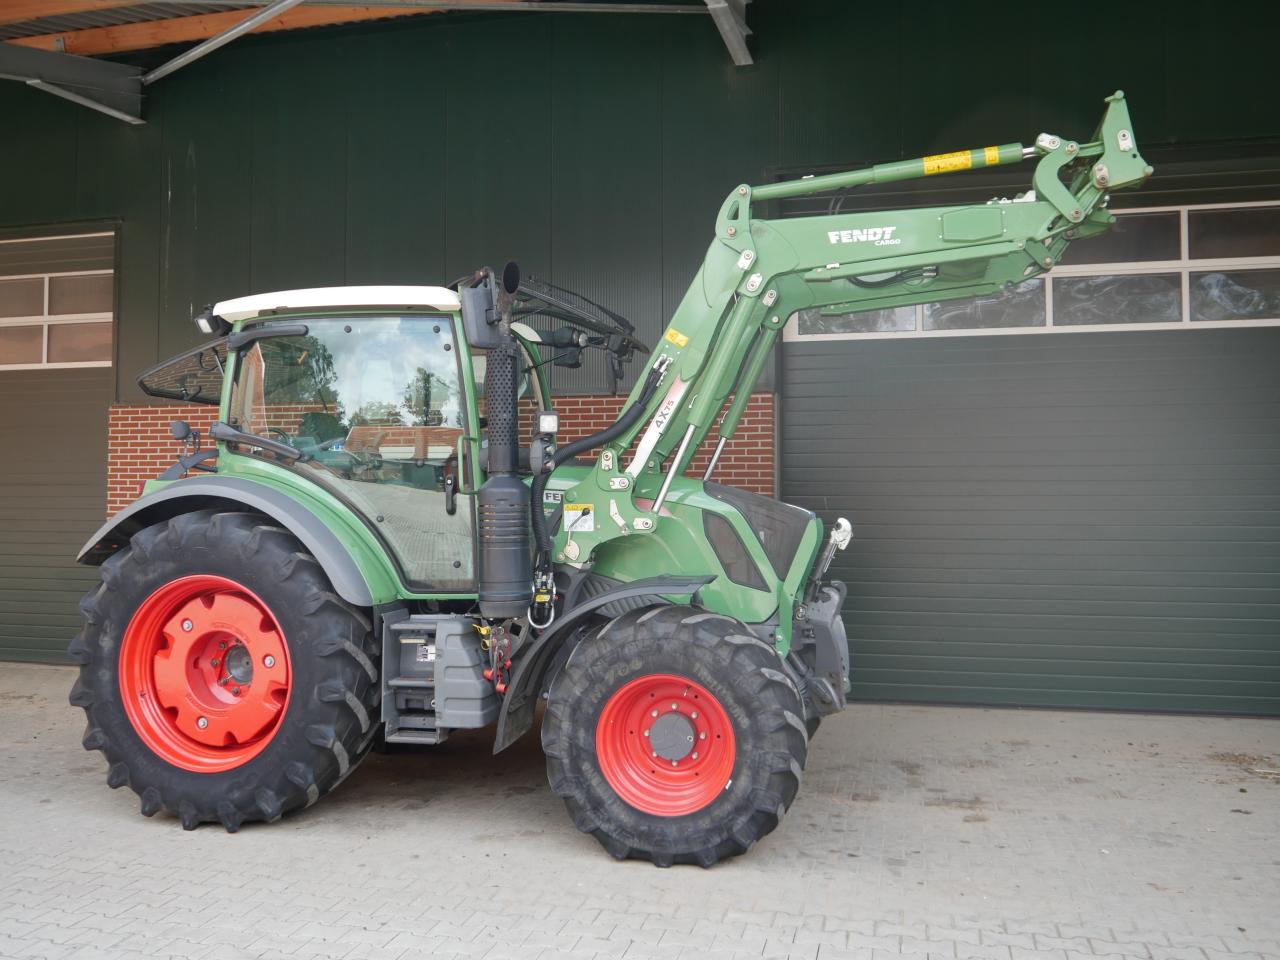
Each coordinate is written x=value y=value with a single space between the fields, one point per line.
x=1184 y=266
x=45 y=320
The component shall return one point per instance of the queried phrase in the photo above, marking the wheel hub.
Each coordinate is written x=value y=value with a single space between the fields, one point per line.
x=240 y=664
x=672 y=736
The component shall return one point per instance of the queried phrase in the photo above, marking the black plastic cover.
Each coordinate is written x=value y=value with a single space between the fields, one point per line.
x=779 y=526
x=732 y=552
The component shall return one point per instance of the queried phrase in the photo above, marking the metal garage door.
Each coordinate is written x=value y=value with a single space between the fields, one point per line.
x=56 y=305
x=53 y=485
x=1083 y=520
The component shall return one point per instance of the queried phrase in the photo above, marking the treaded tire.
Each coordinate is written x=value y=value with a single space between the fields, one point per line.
x=726 y=659
x=811 y=726
x=332 y=713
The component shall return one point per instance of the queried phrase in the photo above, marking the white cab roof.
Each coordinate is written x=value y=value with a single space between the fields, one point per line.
x=243 y=308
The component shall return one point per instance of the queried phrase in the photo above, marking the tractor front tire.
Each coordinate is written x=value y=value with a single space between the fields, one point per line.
x=221 y=676
x=674 y=735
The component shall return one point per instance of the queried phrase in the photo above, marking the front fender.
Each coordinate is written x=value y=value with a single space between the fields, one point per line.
x=202 y=493
x=530 y=673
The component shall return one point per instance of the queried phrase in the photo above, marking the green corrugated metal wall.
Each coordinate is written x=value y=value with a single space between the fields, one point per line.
x=593 y=148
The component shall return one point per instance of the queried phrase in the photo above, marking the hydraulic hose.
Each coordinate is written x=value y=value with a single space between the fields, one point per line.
x=628 y=419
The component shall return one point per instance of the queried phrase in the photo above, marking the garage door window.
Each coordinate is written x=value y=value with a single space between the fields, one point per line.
x=1168 y=268
x=57 y=302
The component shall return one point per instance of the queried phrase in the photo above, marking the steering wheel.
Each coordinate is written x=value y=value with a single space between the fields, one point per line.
x=284 y=437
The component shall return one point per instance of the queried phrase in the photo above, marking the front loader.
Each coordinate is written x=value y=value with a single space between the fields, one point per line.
x=386 y=543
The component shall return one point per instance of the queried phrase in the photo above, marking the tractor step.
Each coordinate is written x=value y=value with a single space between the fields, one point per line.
x=426 y=738
x=433 y=677
x=410 y=683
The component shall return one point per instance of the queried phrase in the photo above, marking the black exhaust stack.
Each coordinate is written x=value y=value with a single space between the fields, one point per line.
x=506 y=567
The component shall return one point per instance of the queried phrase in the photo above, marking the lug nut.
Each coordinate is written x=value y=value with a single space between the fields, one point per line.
x=675 y=706
x=202 y=722
x=654 y=713
x=646 y=733
x=702 y=736
x=268 y=661
x=674 y=762
x=695 y=754
x=222 y=682
x=213 y=662
x=690 y=738
x=187 y=625
x=694 y=715
x=236 y=691
x=655 y=753
x=222 y=644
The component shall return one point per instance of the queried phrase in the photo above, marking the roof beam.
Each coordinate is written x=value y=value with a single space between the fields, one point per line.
x=111 y=88
x=15 y=11
x=246 y=25
x=730 y=17
x=158 y=33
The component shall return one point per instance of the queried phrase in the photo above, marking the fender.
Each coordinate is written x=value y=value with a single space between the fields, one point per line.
x=516 y=716
x=184 y=496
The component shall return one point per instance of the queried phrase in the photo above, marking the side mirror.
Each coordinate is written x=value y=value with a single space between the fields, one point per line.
x=181 y=431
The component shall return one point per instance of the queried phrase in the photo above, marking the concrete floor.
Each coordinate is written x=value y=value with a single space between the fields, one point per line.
x=919 y=831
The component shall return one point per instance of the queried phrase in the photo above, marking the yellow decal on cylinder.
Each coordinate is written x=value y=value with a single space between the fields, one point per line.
x=992 y=154
x=676 y=337
x=947 y=162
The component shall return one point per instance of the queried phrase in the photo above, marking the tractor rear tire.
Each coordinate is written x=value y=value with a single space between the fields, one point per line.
x=674 y=735
x=221 y=676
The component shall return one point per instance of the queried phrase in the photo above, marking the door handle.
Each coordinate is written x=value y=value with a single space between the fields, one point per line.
x=451 y=494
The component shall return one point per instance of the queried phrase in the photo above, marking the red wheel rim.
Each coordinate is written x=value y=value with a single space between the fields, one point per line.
x=665 y=745
x=204 y=673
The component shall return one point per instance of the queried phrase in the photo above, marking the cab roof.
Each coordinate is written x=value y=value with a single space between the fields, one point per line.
x=245 y=308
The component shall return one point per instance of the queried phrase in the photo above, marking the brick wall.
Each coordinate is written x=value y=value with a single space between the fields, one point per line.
x=139 y=446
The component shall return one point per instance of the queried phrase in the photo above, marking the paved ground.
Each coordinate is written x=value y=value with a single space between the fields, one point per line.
x=954 y=833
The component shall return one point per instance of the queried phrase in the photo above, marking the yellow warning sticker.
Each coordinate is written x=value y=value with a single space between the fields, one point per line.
x=992 y=155
x=947 y=162
x=579 y=518
x=676 y=337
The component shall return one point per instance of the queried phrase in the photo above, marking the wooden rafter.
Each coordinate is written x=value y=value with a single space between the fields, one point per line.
x=158 y=33
x=16 y=11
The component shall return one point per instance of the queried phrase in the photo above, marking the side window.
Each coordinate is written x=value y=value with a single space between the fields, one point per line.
x=376 y=405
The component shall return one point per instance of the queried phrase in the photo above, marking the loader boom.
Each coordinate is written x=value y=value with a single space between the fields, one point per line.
x=758 y=272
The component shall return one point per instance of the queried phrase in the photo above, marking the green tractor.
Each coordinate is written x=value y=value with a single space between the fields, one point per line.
x=386 y=543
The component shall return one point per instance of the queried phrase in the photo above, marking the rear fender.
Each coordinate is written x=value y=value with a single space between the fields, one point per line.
x=233 y=493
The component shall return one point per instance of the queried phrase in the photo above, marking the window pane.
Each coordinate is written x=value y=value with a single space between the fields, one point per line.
x=1133 y=237
x=91 y=294
x=21 y=344
x=1148 y=298
x=79 y=342
x=1250 y=232
x=193 y=377
x=894 y=319
x=22 y=298
x=1023 y=306
x=1236 y=295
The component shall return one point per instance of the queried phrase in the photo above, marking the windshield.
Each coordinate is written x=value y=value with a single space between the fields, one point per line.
x=376 y=406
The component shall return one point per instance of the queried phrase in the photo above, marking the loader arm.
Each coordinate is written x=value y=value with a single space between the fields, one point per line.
x=758 y=272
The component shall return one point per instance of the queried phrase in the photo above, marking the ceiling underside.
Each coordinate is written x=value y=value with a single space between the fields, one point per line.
x=50 y=44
